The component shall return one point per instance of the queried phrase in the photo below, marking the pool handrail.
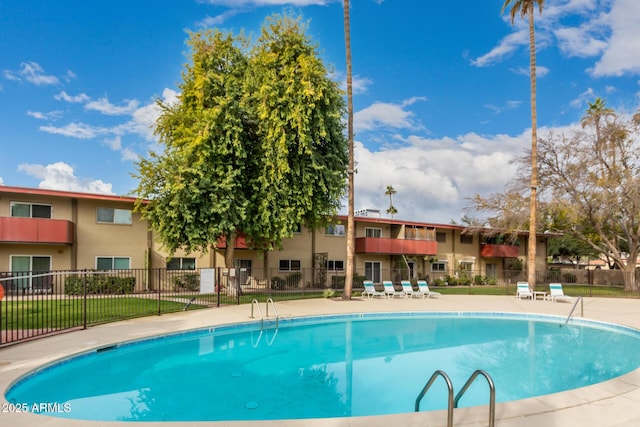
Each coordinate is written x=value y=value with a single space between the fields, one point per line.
x=575 y=304
x=453 y=403
x=492 y=394
x=447 y=380
x=270 y=301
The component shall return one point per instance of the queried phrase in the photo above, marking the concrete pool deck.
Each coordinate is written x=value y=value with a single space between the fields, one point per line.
x=612 y=403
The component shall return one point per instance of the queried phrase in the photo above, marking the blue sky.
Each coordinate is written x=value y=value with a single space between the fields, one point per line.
x=441 y=89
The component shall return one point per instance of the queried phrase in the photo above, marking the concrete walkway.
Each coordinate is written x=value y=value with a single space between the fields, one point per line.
x=610 y=404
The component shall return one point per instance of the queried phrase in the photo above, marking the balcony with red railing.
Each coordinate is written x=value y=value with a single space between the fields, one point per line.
x=499 y=251
x=377 y=245
x=36 y=230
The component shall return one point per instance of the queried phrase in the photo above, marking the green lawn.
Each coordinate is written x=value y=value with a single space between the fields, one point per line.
x=67 y=313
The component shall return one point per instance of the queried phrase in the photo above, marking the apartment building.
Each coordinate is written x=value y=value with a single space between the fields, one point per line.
x=49 y=230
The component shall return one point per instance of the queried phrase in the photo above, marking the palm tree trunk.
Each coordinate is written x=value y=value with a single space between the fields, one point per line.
x=531 y=260
x=348 y=282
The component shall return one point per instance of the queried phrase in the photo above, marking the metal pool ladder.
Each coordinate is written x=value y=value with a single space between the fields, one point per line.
x=269 y=302
x=453 y=403
x=575 y=304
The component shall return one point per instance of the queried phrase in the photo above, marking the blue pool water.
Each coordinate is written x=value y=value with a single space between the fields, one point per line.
x=335 y=366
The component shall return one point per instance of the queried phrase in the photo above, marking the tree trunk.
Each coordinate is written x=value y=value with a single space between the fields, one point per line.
x=531 y=260
x=349 y=270
x=232 y=285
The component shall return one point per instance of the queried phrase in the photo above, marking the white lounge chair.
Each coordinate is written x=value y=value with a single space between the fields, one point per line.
x=407 y=288
x=390 y=291
x=524 y=291
x=557 y=294
x=423 y=290
x=370 y=290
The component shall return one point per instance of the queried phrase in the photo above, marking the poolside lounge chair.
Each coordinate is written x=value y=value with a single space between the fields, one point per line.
x=423 y=290
x=390 y=291
x=557 y=294
x=407 y=288
x=524 y=291
x=370 y=290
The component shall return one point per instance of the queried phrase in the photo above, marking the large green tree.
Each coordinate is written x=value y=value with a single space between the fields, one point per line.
x=526 y=9
x=254 y=144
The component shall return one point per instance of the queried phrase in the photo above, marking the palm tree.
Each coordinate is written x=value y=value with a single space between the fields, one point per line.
x=348 y=282
x=597 y=115
x=390 y=192
x=526 y=9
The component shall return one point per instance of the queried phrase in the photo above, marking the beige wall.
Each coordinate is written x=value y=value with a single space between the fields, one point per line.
x=96 y=239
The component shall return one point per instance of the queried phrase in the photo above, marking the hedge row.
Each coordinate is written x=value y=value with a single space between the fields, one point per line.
x=99 y=285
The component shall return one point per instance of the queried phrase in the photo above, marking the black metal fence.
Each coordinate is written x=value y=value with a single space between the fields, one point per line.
x=41 y=303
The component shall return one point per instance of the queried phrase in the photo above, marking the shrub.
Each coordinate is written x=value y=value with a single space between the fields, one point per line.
x=99 y=285
x=491 y=280
x=186 y=283
x=337 y=282
x=277 y=282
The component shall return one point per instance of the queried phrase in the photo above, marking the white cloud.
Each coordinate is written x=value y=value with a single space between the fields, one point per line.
x=507 y=45
x=103 y=106
x=60 y=176
x=114 y=143
x=602 y=29
x=76 y=130
x=360 y=84
x=541 y=71
x=129 y=155
x=386 y=115
x=64 y=96
x=34 y=73
x=51 y=115
x=509 y=105
x=622 y=54
x=583 y=99
x=212 y=21
x=143 y=119
x=1 y=181
x=433 y=177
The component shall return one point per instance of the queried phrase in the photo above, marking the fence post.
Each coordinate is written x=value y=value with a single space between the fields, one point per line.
x=84 y=299
x=160 y=272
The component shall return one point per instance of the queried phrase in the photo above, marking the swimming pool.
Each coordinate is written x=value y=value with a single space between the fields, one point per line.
x=328 y=366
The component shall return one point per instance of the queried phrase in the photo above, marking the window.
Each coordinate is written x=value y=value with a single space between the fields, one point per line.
x=373 y=232
x=113 y=263
x=289 y=265
x=24 y=266
x=335 y=265
x=30 y=210
x=335 y=230
x=297 y=229
x=113 y=216
x=181 y=264
x=373 y=271
x=441 y=237
x=466 y=238
x=439 y=266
